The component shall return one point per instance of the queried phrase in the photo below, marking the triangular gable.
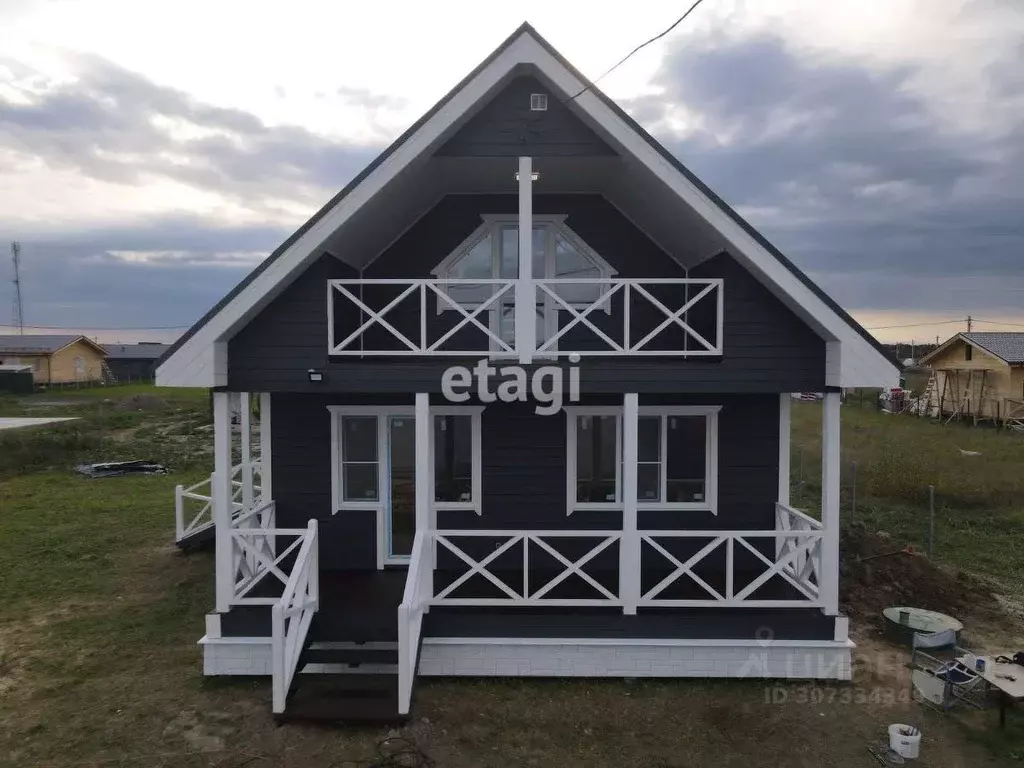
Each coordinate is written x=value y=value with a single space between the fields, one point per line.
x=509 y=126
x=854 y=357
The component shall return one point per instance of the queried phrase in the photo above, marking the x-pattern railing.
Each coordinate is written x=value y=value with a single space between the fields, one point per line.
x=189 y=521
x=527 y=593
x=292 y=614
x=256 y=553
x=631 y=290
x=476 y=316
x=805 y=566
x=796 y=549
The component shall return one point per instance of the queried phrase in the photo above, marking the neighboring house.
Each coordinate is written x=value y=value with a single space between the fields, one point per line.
x=978 y=376
x=134 y=362
x=64 y=359
x=407 y=518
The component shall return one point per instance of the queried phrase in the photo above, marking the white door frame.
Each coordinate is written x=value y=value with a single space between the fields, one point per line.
x=380 y=506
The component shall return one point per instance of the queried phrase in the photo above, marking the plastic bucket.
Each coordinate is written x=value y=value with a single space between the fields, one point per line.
x=904 y=740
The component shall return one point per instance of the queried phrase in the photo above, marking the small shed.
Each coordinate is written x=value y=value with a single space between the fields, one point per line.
x=16 y=379
x=978 y=377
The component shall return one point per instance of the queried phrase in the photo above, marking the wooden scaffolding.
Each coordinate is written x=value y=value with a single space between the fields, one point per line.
x=965 y=394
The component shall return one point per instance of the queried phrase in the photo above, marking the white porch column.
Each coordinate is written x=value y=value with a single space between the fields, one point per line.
x=629 y=547
x=266 y=452
x=785 y=408
x=221 y=493
x=424 y=519
x=245 y=411
x=526 y=300
x=830 y=503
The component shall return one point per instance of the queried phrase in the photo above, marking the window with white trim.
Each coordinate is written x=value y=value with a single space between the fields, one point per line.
x=677 y=458
x=492 y=253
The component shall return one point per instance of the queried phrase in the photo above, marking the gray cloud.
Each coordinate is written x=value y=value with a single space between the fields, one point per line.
x=848 y=170
x=85 y=278
x=114 y=125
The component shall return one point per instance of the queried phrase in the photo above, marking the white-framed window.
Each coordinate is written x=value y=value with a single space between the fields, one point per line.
x=492 y=253
x=457 y=473
x=359 y=439
x=677 y=457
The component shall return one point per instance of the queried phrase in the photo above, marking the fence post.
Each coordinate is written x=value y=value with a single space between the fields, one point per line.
x=931 y=521
x=179 y=512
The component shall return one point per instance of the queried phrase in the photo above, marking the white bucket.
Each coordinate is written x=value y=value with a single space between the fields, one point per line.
x=901 y=743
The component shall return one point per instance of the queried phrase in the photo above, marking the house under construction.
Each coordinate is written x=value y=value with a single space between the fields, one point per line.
x=978 y=377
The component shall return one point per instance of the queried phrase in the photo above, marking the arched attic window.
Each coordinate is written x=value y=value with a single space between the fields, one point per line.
x=492 y=253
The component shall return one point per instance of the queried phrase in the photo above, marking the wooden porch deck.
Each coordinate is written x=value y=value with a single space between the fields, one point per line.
x=361 y=606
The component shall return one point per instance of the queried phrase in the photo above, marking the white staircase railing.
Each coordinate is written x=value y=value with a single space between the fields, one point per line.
x=525 y=591
x=415 y=602
x=292 y=613
x=193 y=505
x=260 y=551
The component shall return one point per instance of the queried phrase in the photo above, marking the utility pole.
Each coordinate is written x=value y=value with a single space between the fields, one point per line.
x=970 y=322
x=19 y=317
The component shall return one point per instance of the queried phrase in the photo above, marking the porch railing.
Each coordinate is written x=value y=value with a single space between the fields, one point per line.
x=415 y=602
x=193 y=505
x=518 y=546
x=292 y=613
x=678 y=317
x=262 y=556
x=728 y=568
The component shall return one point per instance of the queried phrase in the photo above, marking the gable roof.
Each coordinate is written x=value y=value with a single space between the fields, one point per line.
x=1008 y=346
x=864 y=361
x=143 y=351
x=40 y=344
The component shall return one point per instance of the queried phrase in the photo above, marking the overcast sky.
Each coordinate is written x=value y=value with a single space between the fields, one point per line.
x=153 y=152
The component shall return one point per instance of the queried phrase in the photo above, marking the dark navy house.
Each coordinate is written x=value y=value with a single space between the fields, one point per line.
x=517 y=402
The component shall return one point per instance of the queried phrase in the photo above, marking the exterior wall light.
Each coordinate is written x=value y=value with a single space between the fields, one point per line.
x=315 y=375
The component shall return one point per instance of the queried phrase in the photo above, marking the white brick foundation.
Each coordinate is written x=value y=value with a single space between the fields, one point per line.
x=487 y=657
x=542 y=657
x=236 y=656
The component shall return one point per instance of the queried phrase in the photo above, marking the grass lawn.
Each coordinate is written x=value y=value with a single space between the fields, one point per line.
x=979 y=499
x=99 y=616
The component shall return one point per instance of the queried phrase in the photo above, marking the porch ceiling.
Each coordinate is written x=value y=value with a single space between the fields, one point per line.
x=654 y=208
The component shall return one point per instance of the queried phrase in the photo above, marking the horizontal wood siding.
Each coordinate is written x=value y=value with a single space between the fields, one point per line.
x=301 y=467
x=767 y=348
x=506 y=127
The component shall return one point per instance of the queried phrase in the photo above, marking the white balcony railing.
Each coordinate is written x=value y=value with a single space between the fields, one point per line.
x=674 y=317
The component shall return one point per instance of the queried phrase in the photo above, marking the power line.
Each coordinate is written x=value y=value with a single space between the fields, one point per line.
x=999 y=322
x=629 y=55
x=913 y=325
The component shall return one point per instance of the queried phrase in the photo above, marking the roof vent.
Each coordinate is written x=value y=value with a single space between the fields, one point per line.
x=538 y=102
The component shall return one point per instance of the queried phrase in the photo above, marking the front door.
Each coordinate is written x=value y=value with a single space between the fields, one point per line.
x=400 y=487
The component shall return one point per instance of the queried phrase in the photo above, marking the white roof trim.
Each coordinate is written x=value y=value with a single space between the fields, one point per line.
x=199 y=363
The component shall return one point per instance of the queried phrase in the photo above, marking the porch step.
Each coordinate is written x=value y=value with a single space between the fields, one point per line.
x=353 y=655
x=346 y=682
x=362 y=699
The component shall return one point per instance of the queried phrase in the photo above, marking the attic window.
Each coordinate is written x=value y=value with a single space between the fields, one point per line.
x=538 y=102
x=968 y=351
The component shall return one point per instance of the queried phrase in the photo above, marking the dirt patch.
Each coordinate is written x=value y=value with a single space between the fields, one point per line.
x=141 y=403
x=877 y=572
